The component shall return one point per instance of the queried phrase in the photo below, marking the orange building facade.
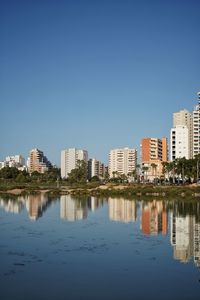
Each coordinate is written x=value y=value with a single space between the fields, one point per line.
x=154 y=151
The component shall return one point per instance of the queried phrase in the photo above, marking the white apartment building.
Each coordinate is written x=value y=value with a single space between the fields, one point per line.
x=184 y=117
x=122 y=161
x=179 y=142
x=69 y=158
x=196 y=128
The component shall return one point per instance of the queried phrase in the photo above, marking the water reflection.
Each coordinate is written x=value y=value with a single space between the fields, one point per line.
x=71 y=209
x=122 y=210
x=35 y=205
x=185 y=233
x=181 y=217
x=154 y=218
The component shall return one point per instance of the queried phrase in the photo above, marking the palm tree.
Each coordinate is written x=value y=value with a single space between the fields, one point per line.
x=154 y=167
x=145 y=169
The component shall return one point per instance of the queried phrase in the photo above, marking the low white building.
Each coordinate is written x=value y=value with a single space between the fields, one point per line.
x=16 y=161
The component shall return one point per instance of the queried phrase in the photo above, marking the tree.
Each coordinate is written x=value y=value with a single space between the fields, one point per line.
x=9 y=173
x=21 y=178
x=79 y=174
x=145 y=169
x=94 y=179
x=154 y=168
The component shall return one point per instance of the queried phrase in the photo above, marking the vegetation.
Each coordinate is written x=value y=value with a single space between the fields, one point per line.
x=182 y=169
x=79 y=174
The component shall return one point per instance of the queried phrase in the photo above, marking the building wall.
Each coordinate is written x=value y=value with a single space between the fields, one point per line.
x=95 y=168
x=154 y=149
x=179 y=142
x=196 y=128
x=185 y=118
x=38 y=162
x=122 y=161
x=69 y=158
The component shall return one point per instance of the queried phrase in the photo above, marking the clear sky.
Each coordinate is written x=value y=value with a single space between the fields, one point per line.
x=96 y=74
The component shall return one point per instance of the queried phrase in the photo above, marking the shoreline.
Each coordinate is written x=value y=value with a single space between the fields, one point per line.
x=107 y=190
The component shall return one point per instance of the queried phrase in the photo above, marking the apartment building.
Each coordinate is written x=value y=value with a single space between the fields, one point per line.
x=16 y=161
x=122 y=161
x=185 y=124
x=95 y=168
x=179 y=142
x=69 y=158
x=185 y=118
x=196 y=128
x=154 y=151
x=37 y=161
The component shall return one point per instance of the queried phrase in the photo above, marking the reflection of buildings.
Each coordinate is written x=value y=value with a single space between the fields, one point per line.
x=185 y=238
x=94 y=203
x=197 y=244
x=13 y=206
x=122 y=210
x=72 y=209
x=36 y=205
x=181 y=237
x=154 y=218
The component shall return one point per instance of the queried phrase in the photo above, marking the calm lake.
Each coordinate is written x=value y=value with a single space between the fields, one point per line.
x=90 y=248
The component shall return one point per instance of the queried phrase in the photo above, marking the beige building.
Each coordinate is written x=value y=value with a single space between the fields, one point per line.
x=38 y=162
x=182 y=119
x=95 y=168
x=122 y=161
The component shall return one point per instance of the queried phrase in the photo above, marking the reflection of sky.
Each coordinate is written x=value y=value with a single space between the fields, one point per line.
x=93 y=258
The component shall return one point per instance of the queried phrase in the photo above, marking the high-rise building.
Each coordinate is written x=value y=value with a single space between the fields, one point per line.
x=184 y=117
x=69 y=158
x=122 y=161
x=95 y=168
x=154 y=151
x=38 y=162
x=181 y=137
x=196 y=128
x=182 y=120
x=180 y=142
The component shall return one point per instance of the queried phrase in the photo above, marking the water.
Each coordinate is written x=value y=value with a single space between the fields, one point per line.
x=89 y=248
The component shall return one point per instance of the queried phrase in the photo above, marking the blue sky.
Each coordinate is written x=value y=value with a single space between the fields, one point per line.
x=94 y=74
